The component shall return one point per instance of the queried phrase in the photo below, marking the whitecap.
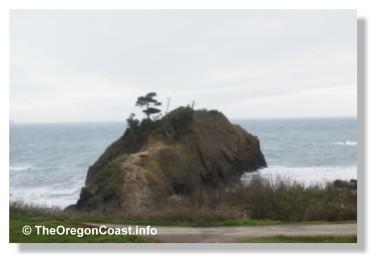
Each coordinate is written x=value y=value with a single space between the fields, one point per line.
x=20 y=168
x=305 y=175
x=45 y=196
x=346 y=142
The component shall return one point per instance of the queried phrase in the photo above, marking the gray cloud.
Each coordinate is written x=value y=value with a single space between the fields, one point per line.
x=91 y=65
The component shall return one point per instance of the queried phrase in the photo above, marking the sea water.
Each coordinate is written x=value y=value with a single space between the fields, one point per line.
x=49 y=162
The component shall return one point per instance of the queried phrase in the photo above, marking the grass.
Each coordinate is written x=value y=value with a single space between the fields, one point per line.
x=302 y=239
x=263 y=202
x=21 y=215
x=50 y=213
x=277 y=199
x=260 y=203
x=19 y=218
x=237 y=222
x=232 y=222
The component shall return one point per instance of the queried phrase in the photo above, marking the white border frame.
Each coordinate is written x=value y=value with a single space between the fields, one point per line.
x=300 y=254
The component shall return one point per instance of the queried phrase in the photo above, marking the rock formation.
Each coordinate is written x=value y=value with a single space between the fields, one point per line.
x=183 y=152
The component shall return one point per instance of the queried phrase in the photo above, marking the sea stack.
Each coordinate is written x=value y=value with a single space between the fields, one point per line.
x=183 y=152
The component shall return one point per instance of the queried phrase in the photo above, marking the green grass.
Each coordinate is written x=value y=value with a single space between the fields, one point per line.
x=232 y=222
x=302 y=239
x=20 y=218
x=237 y=222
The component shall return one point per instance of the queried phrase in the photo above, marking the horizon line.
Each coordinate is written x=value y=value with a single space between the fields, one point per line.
x=13 y=122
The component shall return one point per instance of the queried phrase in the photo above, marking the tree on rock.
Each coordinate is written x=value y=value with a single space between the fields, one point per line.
x=147 y=102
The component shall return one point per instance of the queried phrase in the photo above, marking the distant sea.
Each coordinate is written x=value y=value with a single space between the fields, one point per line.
x=48 y=162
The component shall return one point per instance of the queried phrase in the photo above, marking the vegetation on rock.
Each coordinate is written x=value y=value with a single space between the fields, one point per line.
x=186 y=167
x=181 y=153
x=147 y=102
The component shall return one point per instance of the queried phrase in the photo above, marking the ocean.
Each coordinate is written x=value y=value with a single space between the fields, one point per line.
x=49 y=162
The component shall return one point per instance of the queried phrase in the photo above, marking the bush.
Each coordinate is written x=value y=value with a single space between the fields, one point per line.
x=274 y=200
x=180 y=118
x=279 y=199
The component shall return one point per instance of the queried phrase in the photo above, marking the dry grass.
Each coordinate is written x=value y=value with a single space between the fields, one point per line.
x=279 y=199
x=263 y=199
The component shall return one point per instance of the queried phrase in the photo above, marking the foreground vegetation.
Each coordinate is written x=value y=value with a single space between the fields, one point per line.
x=263 y=199
x=19 y=217
x=263 y=202
x=31 y=213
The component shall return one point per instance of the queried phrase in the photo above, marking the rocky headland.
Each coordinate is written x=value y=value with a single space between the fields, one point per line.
x=154 y=161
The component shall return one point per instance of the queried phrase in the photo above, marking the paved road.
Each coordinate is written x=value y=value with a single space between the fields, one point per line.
x=230 y=234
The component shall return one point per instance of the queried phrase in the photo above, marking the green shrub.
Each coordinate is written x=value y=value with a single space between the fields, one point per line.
x=262 y=200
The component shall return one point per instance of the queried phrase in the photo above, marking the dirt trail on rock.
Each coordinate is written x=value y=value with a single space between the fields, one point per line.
x=231 y=234
x=133 y=164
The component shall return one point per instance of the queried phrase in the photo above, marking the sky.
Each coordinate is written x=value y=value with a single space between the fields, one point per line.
x=82 y=65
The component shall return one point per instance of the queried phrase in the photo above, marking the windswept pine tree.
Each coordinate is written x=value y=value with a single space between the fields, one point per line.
x=148 y=102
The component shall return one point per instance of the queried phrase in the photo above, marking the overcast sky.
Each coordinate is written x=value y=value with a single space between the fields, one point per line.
x=92 y=65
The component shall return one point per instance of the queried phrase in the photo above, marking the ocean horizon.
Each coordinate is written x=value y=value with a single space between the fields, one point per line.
x=49 y=161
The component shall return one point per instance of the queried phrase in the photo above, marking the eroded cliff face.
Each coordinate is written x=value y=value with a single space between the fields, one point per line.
x=184 y=152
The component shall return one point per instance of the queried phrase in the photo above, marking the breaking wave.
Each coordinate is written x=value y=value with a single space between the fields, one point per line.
x=305 y=175
x=346 y=142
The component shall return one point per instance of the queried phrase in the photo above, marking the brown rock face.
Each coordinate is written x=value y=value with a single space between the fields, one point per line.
x=183 y=152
